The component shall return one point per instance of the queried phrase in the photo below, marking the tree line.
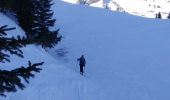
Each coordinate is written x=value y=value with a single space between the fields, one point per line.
x=35 y=18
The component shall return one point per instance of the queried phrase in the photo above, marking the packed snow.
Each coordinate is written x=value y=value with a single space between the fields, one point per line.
x=127 y=57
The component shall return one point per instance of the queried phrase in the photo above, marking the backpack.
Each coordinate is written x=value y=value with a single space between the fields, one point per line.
x=82 y=61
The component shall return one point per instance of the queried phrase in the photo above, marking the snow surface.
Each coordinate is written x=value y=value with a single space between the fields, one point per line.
x=145 y=8
x=127 y=58
x=70 y=1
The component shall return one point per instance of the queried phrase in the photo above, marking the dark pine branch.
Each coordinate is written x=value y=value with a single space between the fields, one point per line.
x=9 y=80
x=11 y=45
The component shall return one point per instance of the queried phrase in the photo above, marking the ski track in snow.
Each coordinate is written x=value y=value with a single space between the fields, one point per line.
x=127 y=58
x=63 y=87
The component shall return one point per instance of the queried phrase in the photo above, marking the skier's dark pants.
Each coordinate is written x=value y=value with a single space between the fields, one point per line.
x=81 y=69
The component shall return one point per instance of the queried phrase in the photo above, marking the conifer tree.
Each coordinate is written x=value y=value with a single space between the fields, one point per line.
x=159 y=15
x=9 y=80
x=168 y=16
x=6 y=5
x=42 y=22
x=24 y=11
x=35 y=18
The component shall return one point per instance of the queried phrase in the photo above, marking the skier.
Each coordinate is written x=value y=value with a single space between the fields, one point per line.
x=82 y=63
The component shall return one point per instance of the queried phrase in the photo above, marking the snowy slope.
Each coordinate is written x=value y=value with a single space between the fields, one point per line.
x=127 y=58
x=54 y=82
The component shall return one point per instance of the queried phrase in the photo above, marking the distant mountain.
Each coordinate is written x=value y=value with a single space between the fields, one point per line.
x=145 y=8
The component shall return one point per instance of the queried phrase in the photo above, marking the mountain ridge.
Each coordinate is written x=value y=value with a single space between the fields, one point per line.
x=144 y=8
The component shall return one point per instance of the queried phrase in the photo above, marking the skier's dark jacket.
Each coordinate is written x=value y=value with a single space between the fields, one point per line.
x=82 y=61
